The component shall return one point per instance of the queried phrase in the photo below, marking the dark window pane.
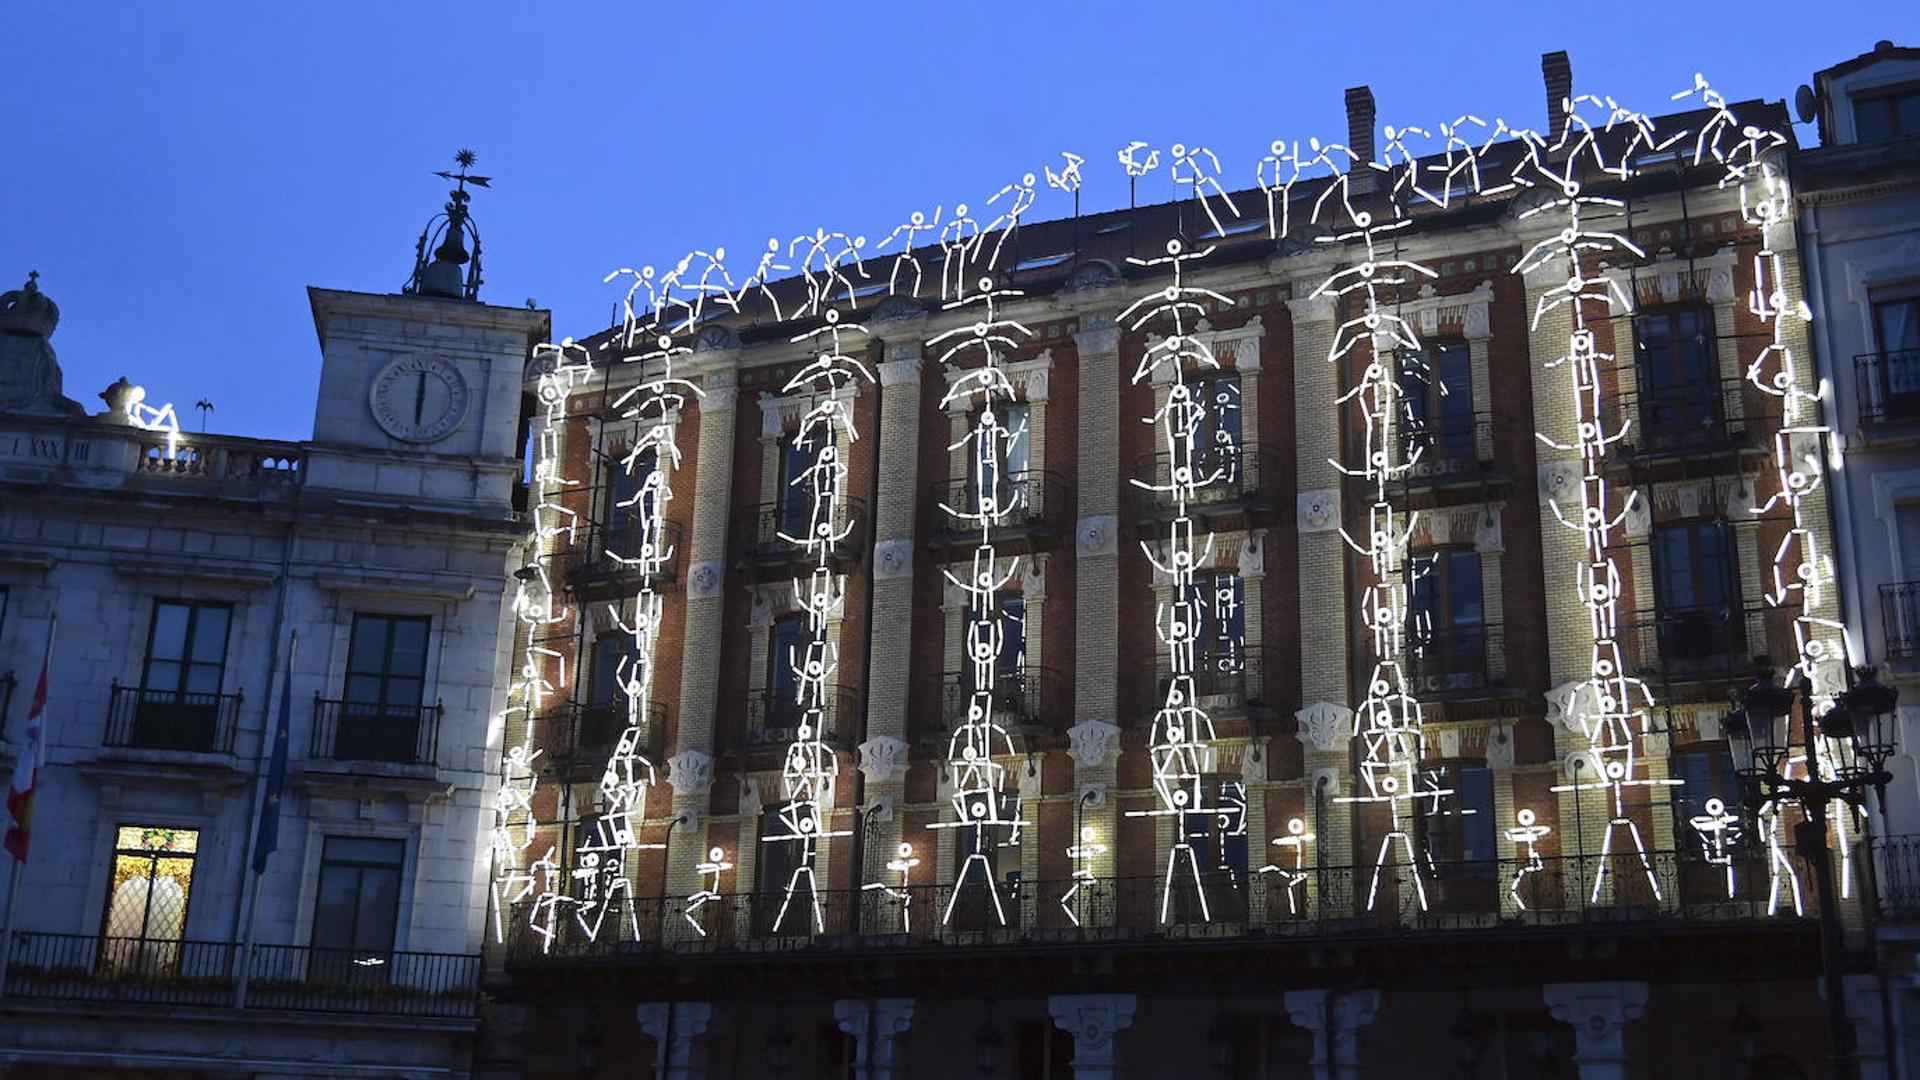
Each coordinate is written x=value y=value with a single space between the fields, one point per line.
x=409 y=648
x=368 y=650
x=1873 y=118
x=210 y=634
x=169 y=632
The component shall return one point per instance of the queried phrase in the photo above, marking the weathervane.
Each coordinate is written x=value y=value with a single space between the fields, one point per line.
x=447 y=234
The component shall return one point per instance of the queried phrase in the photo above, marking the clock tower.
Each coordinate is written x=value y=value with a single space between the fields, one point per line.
x=420 y=391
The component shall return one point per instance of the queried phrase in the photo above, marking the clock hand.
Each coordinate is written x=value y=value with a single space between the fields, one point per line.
x=420 y=398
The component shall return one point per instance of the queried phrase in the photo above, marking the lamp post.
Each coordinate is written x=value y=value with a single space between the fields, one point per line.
x=1859 y=728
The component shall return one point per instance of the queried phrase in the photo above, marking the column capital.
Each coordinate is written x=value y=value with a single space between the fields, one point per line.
x=682 y=1025
x=1093 y=743
x=1095 y=1021
x=1324 y=725
x=691 y=773
x=881 y=1020
x=1599 y=1012
x=882 y=758
x=1308 y=307
x=901 y=368
x=1335 y=1019
x=1098 y=334
x=719 y=389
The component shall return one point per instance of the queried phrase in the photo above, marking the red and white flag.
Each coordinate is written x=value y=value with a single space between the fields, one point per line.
x=26 y=771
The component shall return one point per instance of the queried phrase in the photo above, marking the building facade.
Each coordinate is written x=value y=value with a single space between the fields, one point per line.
x=205 y=587
x=1859 y=197
x=1289 y=629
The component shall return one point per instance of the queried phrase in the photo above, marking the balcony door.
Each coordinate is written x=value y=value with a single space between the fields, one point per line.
x=146 y=917
x=604 y=716
x=380 y=718
x=1217 y=836
x=1695 y=595
x=801 y=483
x=1438 y=399
x=629 y=504
x=1216 y=438
x=1000 y=465
x=1679 y=378
x=179 y=702
x=1896 y=325
x=1449 y=618
x=1457 y=832
x=787 y=644
x=1218 y=601
x=1007 y=679
x=356 y=909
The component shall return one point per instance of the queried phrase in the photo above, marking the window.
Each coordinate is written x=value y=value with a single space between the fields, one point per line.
x=798 y=481
x=630 y=503
x=1679 y=377
x=1218 y=837
x=1216 y=439
x=1894 y=382
x=179 y=701
x=787 y=644
x=1438 y=392
x=605 y=714
x=357 y=907
x=1705 y=772
x=1218 y=607
x=1695 y=595
x=780 y=852
x=1003 y=462
x=146 y=916
x=386 y=680
x=1449 y=612
x=1886 y=114
x=1011 y=615
x=1456 y=831
x=999 y=850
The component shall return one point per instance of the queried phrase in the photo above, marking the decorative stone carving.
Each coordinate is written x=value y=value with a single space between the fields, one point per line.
x=1448 y=740
x=1560 y=482
x=1500 y=746
x=29 y=372
x=1037 y=386
x=1093 y=743
x=895 y=308
x=1487 y=536
x=1637 y=520
x=882 y=758
x=1096 y=535
x=1253 y=764
x=750 y=798
x=1094 y=1020
x=1335 y=1018
x=880 y=1022
x=682 y=1027
x=1581 y=767
x=880 y=808
x=1319 y=511
x=1324 y=726
x=1598 y=1012
x=1310 y=308
x=721 y=389
x=1707 y=723
x=1325 y=781
x=1253 y=555
x=716 y=336
x=1476 y=323
x=1033 y=578
x=1564 y=706
x=1089 y=275
x=904 y=371
x=704 y=580
x=691 y=773
x=1720 y=285
x=892 y=559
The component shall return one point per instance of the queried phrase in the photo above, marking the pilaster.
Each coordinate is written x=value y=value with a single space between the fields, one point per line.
x=706 y=566
x=1599 y=1013
x=682 y=1026
x=1335 y=1018
x=889 y=657
x=1096 y=1021
x=876 y=1026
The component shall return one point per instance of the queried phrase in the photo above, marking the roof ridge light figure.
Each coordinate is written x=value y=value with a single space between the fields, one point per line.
x=698 y=291
x=824 y=257
x=1008 y=221
x=916 y=223
x=1525 y=837
x=900 y=895
x=764 y=276
x=1180 y=743
x=1199 y=169
x=147 y=418
x=960 y=239
x=978 y=747
x=709 y=890
x=810 y=766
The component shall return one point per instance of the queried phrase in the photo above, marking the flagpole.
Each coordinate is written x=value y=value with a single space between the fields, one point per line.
x=253 y=840
x=20 y=864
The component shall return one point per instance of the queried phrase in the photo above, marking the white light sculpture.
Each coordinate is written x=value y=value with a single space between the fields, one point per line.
x=978 y=749
x=1719 y=837
x=1294 y=876
x=1525 y=837
x=900 y=895
x=710 y=871
x=1180 y=744
x=1082 y=854
x=147 y=418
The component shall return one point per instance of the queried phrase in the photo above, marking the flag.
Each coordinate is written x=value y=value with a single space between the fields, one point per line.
x=269 y=836
x=26 y=771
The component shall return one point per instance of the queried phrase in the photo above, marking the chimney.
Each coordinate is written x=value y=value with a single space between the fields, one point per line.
x=1558 y=73
x=1360 y=113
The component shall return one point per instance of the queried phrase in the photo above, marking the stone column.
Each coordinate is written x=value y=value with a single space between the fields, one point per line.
x=1335 y=1018
x=884 y=753
x=1095 y=1020
x=1599 y=1013
x=1095 y=736
x=679 y=1030
x=1869 y=1030
x=875 y=1026
x=700 y=639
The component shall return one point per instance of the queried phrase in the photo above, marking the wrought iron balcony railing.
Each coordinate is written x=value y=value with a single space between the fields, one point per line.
x=610 y=554
x=1225 y=680
x=1512 y=895
x=582 y=736
x=1029 y=697
x=1678 y=645
x=1900 y=620
x=772 y=718
x=1031 y=503
x=1889 y=384
x=771 y=534
x=1243 y=477
x=369 y=731
x=172 y=973
x=1446 y=450
x=1693 y=418
x=1457 y=662
x=144 y=719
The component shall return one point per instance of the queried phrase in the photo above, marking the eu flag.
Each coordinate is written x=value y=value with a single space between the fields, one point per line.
x=269 y=837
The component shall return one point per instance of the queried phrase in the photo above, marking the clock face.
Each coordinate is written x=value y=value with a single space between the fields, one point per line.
x=418 y=399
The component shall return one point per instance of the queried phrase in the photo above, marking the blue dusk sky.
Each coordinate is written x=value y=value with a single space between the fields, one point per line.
x=180 y=173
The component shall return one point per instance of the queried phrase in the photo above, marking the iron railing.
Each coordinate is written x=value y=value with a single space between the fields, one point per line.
x=1677 y=887
x=150 y=971
x=1224 y=680
x=1032 y=502
x=771 y=533
x=772 y=718
x=1456 y=661
x=609 y=554
x=145 y=719
x=1896 y=868
x=1695 y=417
x=582 y=736
x=1443 y=450
x=1236 y=477
x=1900 y=620
x=1889 y=385
x=1679 y=645
x=1025 y=697
x=366 y=731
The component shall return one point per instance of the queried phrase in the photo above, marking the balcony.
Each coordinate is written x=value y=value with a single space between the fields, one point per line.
x=772 y=719
x=1028 y=700
x=94 y=970
x=1889 y=386
x=578 y=739
x=606 y=558
x=1239 y=479
x=222 y=459
x=1032 y=505
x=1694 y=420
x=1900 y=621
x=363 y=731
x=1459 y=663
x=1265 y=910
x=1228 y=684
x=771 y=535
x=141 y=719
x=1444 y=452
x=1688 y=645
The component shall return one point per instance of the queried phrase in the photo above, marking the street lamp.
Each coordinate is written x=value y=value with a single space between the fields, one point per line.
x=1858 y=727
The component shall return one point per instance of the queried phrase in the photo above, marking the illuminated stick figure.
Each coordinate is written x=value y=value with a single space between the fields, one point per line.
x=763 y=278
x=1082 y=854
x=1199 y=169
x=959 y=238
x=1719 y=831
x=916 y=224
x=900 y=895
x=1526 y=837
x=1781 y=876
x=1009 y=219
x=709 y=890
x=1297 y=839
